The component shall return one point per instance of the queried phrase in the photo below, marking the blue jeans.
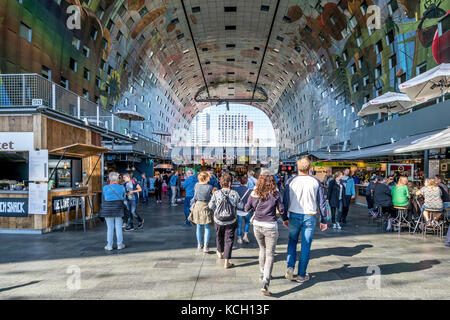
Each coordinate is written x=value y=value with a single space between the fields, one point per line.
x=246 y=224
x=187 y=208
x=305 y=225
x=131 y=206
x=145 y=195
x=207 y=233
x=114 y=223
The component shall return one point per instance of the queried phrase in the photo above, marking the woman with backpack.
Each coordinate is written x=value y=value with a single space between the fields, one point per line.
x=224 y=203
x=265 y=200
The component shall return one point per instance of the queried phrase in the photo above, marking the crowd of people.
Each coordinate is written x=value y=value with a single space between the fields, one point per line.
x=229 y=205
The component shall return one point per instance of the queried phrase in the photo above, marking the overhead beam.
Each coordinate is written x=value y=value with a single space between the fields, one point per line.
x=195 y=46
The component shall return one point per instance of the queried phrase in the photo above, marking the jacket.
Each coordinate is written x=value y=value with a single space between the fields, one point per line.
x=218 y=197
x=349 y=186
x=382 y=195
x=266 y=209
x=320 y=198
x=189 y=185
x=333 y=195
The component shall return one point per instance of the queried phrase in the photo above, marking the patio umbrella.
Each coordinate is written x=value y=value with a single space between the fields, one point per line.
x=130 y=116
x=390 y=102
x=428 y=85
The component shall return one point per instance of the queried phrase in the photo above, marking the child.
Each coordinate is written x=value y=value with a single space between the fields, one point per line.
x=164 y=188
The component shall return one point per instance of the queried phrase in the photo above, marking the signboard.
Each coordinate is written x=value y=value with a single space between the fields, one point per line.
x=433 y=168
x=61 y=204
x=16 y=141
x=37 y=198
x=14 y=207
x=36 y=102
x=403 y=168
x=346 y=164
x=38 y=166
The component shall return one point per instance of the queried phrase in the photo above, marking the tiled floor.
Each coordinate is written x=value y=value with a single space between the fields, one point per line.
x=161 y=262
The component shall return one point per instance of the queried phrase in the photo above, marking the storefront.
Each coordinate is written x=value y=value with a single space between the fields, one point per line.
x=44 y=165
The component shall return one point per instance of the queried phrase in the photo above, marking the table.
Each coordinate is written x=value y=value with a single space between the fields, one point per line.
x=80 y=199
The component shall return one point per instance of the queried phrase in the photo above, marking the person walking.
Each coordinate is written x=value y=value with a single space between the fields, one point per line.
x=113 y=210
x=336 y=198
x=145 y=186
x=188 y=185
x=251 y=184
x=303 y=198
x=243 y=216
x=350 y=194
x=224 y=203
x=158 y=188
x=132 y=190
x=265 y=200
x=201 y=214
x=173 y=186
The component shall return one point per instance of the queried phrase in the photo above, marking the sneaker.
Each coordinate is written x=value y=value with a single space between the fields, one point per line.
x=199 y=247
x=205 y=249
x=245 y=238
x=108 y=248
x=129 y=229
x=265 y=289
x=239 y=240
x=300 y=279
x=290 y=274
x=122 y=246
x=338 y=226
x=124 y=225
x=174 y=205
x=334 y=226
x=141 y=224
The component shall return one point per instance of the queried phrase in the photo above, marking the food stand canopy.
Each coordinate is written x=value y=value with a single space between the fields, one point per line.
x=435 y=141
x=387 y=149
x=79 y=150
x=390 y=102
x=428 y=85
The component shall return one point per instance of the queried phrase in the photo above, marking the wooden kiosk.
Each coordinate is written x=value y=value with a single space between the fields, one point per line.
x=77 y=152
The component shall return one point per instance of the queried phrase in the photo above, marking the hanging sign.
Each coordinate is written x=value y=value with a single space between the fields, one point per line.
x=16 y=141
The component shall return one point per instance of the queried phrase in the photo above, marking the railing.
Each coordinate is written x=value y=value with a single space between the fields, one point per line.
x=32 y=90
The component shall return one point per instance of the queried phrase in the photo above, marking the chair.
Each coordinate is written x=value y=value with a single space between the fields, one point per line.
x=400 y=220
x=438 y=228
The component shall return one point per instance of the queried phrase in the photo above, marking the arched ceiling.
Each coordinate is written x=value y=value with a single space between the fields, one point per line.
x=201 y=49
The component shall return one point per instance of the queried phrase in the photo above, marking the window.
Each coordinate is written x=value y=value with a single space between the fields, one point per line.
x=143 y=11
x=94 y=33
x=401 y=78
x=360 y=61
x=355 y=87
x=379 y=47
x=119 y=36
x=46 y=73
x=86 y=94
x=366 y=81
x=392 y=61
x=104 y=44
x=25 y=32
x=230 y=27
x=130 y=23
x=76 y=43
x=86 y=51
x=356 y=123
x=230 y=9
x=122 y=10
x=64 y=83
x=125 y=102
x=87 y=74
x=390 y=37
x=265 y=8
x=195 y=9
x=110 y=24
x=421 y=68
x=98 y=82
x=73 y=65
x=353 y=68
x=393 y=5
x=100 y=12
x=344 y=112
x=378 y=71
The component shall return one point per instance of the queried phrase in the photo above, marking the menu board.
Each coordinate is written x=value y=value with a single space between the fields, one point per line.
x=433 y=168
x=37 y=198
x=38 y=165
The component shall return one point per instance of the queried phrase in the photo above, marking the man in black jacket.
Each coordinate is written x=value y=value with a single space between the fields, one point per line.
x=382 y=198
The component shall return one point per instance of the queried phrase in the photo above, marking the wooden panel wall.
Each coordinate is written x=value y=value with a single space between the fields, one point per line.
x=16 y=123
x=60 y=134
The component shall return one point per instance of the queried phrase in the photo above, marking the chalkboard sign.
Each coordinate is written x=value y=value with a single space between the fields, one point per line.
x=14 y=207
x=61 y=204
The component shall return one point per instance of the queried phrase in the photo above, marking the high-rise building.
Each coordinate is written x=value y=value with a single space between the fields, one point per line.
x=233 y=129
x=200 y=129
x=250 y=133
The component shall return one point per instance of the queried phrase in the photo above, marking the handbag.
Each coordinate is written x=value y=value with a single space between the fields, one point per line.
x=242 y=213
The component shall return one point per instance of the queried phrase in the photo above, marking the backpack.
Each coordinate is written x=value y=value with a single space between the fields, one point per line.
x=225 y=211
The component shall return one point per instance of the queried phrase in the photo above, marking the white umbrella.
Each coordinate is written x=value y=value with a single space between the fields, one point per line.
x=435 y=141
x=428 y=85
x=390 y=102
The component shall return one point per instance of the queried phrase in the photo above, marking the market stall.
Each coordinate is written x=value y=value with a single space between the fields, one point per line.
x=44 y=165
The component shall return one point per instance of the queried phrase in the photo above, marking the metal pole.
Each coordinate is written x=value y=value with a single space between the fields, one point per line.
x=23 y=90
x=53 y=96
x=426 y=163
x=79 y=107
x=98 y=115
x=112 y=122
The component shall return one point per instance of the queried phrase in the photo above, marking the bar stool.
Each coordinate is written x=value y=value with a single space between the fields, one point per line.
x=439 y=228
x=400 y=219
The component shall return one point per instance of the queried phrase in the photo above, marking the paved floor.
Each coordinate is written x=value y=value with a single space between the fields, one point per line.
x=161 y=262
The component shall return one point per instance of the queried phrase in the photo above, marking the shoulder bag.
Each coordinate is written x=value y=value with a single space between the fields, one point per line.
x=123 y=200
x=242 y=213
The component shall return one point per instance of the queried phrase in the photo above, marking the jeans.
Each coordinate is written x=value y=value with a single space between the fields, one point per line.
x=114 y=223
x=225 y=239
x=187 y=208
x=446 y=205
x=207 y=235
x=145 y=195
x=305 y=225
x=174 y=194
x=345 y=209
x=267 y=241
x=339 y=213
x=246 y=224
x=131 y=206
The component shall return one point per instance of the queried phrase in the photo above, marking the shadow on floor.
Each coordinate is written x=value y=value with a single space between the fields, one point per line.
x=19 y=286
x=346 y=272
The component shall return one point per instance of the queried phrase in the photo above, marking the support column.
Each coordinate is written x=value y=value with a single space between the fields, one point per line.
x=426 y=164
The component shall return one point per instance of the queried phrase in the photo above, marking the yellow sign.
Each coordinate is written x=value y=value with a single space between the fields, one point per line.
x=346 y=164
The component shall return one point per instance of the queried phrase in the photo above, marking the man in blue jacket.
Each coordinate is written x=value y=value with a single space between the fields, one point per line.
x=189 y=185
x=350 y=193
x=213 y=180
x=173 y=182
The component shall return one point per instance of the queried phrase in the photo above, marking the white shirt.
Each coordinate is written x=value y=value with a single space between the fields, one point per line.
x=303 y=195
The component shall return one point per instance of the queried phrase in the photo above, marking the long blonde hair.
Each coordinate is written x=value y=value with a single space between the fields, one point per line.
x=430 y=183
